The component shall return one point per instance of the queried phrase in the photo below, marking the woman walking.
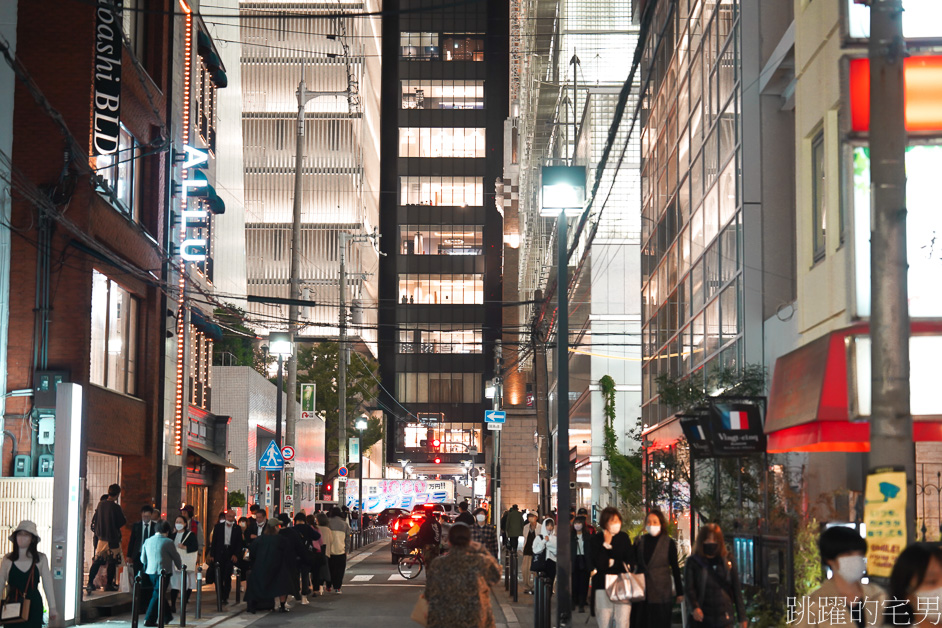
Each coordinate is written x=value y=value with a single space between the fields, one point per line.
x=656 y=558
x=159 y=554
x=609 y=553
x=184 y=539
x=579 y=547
x=338 y=531
x=547 y=541
x=713 y=589
x=915 y=587
x=270 y=576
x=458 y=585
x=21 y=571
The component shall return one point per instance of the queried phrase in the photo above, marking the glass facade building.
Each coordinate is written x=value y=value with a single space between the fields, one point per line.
x=444 y=88
x=692 y=218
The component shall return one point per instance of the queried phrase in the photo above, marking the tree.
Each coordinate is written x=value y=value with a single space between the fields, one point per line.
x=625 y=469
x=237 y=347
x=236 y=499
x=318 y=364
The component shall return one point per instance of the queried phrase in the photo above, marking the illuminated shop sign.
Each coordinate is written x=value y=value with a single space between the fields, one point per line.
x=108 y=48
x=922 y=95
x=193 y=249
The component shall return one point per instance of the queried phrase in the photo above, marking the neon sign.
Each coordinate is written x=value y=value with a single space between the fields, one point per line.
x=192 y=249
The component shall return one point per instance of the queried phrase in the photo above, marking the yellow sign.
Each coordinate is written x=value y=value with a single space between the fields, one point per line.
x=885 y=516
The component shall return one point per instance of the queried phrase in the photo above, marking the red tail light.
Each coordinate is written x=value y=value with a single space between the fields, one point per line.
x=396 y=527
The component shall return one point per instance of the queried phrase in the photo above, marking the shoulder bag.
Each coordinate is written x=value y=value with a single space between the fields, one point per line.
x=624 y=588
x=539 y=563
x=15 y=608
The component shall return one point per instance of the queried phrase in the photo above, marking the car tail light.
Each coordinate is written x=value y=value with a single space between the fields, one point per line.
x=396 y=527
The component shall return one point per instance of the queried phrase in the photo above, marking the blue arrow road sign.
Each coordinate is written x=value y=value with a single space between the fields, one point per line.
x=272 y=460
x=495 y=416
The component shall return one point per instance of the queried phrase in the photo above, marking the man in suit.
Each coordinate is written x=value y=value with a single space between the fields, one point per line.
x=251 y=530
x=140 y=532
x=225 y=550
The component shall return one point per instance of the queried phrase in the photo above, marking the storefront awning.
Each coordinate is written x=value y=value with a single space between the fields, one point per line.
x=212 y=457
x=809 y=403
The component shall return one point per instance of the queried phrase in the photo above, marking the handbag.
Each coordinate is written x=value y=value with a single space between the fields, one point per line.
x=14 y=611
x=539 y=563
x=420 y=611
x=624 y=588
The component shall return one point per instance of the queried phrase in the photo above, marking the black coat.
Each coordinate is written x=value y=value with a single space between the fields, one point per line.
x=466 y=518
x=270 y=576
x=717 y=594
x=108 y=521
x=137 y=540
x=599 y=556
x=219 y=551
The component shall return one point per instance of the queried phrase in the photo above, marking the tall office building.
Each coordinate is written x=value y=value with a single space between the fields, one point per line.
x=445 y=100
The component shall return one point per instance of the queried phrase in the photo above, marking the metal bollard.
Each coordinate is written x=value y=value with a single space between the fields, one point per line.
x=547 y=601
x=161 y=597
x=218 y=587
x=183 y=592
x=238 y=584
x=507 y=571
x=199 y=592
x=513 y=575
x=537 y=603
x=135 y=600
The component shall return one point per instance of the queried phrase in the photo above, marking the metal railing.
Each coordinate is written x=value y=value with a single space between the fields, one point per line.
x=542 y=602
x=361 y=538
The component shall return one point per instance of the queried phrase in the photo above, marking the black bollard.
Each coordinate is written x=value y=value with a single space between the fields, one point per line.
x=199 y=592
x=218 y=587
x=183 y=591
x=238 y=584
x=537 y=603
x=547 y=601
x=513 y=574
x=135 y=600
x=161 y=597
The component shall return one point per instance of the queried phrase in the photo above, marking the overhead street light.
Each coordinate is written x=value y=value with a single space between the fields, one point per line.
x=281 y=345
x=361 y=426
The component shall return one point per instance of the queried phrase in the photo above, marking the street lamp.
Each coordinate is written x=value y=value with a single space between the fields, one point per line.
x=563 y=194
x=361 y=426
x=279 y=344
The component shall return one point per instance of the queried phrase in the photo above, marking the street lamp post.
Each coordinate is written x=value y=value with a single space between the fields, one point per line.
x=563 y=191
x=279 y=344
x=361 y=427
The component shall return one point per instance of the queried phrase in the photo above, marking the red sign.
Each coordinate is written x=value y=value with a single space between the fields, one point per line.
x=287 y=452
x=923 y=93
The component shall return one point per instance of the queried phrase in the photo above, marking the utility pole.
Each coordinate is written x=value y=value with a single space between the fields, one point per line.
x=563 y=495
x=891 y=421
x=575 y=105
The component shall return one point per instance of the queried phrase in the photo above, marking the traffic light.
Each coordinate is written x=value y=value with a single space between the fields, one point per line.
x=436 y=443
x=327 y=487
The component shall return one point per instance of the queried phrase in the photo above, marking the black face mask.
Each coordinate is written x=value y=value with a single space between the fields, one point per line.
x=710 y=549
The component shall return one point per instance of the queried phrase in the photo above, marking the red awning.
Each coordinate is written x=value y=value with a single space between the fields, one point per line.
x=808 y=408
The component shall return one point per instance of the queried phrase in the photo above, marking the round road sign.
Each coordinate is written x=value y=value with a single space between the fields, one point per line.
x=342 y=472
x=287 y=452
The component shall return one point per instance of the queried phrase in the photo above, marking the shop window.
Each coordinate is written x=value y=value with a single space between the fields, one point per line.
x=114 y=336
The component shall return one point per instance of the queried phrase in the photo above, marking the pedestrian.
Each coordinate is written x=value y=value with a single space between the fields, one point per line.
x=107 y=523
x=158 y=555
x=843 y=596
x=225 y=550
x=21 y=571
x=546 y=542
x=514 y=527
x=338 y=532
x=305 y=567
x=184 y=539
x=429 y=537
x=464 y=516
x=458 y=584
x=530 y=530
x=579 y=549
x=297 y=553
x=320 y=576
x=712 y=587
x=609 y=553
x=196 y=527
x=140 y=532
x=656 y=557
x=589 y=528
x=916 y=587
x=270 y=577
x=251 y=530
x=483 y=533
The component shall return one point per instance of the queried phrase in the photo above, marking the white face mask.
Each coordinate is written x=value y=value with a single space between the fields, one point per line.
x=653 y=530
x=577 y=526
x=851 y=568
x=180 y=526
x=480 y=518
x=614 y=528
x=929 y=602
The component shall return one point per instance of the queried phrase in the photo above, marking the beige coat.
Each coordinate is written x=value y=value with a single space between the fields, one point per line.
x=825 y=606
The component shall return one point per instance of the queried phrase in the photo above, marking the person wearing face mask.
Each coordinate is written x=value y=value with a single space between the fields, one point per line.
x=530 y=531
x=609 y=553
x=21 y=571
x=580 y=563
x=187 y=546
x=843 y=551
x=546 y=541
x=916 y=587
x=159 y=554
x=483 y=533
x=225 y=550
x=656 y=558
x=713 y=590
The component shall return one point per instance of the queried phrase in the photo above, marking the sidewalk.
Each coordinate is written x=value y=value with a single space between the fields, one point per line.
x=515 y=614
x=210 y=616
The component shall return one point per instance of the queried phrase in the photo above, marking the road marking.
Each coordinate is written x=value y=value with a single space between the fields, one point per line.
x=383 y=584
x=362 y=578
x=397 y=577
x=364 y=555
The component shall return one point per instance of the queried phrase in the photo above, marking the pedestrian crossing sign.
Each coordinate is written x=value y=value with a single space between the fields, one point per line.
x=272 y=460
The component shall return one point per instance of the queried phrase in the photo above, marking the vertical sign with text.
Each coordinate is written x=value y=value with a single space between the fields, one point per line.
x=109 y=45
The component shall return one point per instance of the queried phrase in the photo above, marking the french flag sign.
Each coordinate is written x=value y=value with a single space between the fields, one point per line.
x=736 y=420
x=697 y=432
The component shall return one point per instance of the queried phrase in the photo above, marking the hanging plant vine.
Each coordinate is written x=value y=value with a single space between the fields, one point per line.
x=625 y=470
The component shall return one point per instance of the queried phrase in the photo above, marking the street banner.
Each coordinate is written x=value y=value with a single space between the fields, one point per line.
x=379 y=494
x=354 y=449
x=695 y=424
x=308 y=392
x=737 y=424
x=885 y=518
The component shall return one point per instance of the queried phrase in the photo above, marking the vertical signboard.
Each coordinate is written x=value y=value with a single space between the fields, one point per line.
x=107 y=79
x=885 y=517
x=308 y=392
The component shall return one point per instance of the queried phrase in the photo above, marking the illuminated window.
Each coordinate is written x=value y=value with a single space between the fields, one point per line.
x=440 y=338
x=441 y=289
x=419 y=46
x=114 y=336
x=441 y=191
x=818 y=196
x=441 y=142
x=119 y=172
x=439 y=388
x=430 y=94
x=463 y=48
x=455 y=438
x=440 y=240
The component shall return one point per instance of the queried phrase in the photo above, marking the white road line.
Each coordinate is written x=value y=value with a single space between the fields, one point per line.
x=363 y=556
x=362 y=578
x=397 y=577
